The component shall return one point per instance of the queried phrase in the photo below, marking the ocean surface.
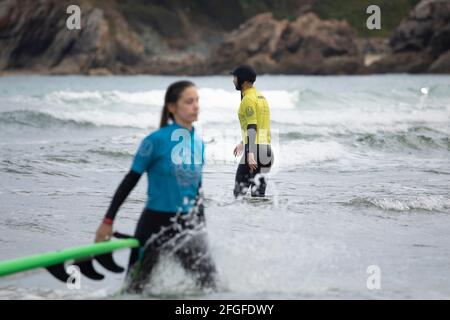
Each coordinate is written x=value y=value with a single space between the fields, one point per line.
x=361 y=182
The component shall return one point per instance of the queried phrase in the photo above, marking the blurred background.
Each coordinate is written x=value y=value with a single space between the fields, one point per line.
x=210 y=37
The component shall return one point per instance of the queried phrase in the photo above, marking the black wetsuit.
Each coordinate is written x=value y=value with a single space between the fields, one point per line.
x=182 y=235
x=255 y=180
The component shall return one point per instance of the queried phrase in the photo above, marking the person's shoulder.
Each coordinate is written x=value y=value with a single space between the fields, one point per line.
x=166 y=130
x=156 y=134
x=168 y=133
x=259 y=95
x=249 y=98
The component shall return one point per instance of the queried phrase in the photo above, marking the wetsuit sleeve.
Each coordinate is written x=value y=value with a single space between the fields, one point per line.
x=122 y=192
x=251 y=136
x=141 y=162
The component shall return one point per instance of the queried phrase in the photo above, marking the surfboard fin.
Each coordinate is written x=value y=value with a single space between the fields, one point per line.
x=86 y=266
x=88 y=270
x=107 y=262
x=59 y=272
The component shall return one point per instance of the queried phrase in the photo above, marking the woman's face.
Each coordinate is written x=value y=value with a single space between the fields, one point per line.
x=186 y=109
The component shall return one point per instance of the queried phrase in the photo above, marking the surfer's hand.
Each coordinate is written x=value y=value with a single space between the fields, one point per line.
x=104 y=232
x=252 y=162
x=238 y=150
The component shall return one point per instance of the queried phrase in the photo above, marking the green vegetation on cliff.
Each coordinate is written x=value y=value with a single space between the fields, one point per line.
x=172 y=18
x=354 y=11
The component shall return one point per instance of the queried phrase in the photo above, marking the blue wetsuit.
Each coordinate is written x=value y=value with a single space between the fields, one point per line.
x=173 y=159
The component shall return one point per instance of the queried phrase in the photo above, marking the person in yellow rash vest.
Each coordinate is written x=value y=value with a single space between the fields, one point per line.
x=254 y=118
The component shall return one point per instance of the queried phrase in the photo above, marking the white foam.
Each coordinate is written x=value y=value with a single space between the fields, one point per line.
x=102 y=118
x=362 y=120
x=350 y=112
x=142 y=109
x=287 y=154
x=429 y=203
x=209 y=98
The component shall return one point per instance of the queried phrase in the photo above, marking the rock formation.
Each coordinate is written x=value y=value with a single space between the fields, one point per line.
x=421 y=42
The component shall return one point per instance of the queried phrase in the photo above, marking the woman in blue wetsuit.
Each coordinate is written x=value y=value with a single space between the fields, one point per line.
x=173 y=219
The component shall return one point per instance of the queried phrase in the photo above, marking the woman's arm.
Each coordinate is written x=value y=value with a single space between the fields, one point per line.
x=104 y=231
x=128 y=183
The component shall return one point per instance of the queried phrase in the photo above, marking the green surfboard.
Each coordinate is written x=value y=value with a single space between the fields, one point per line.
x=52 y=258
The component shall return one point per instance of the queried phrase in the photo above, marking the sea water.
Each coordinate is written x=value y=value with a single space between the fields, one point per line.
x=361 y=182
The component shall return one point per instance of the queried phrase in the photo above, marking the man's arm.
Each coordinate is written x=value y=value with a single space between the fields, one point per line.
x=252 y=150
x=251 y=136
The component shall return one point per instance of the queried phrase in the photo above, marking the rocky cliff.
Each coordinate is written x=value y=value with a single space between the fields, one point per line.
x=34 y=36
x=209 y=37
x=307 y=45
x=421 y=43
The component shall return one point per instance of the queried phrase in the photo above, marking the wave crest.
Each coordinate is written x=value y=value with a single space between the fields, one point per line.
x=427 y=203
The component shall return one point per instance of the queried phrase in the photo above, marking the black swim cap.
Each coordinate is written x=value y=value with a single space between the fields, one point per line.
x=245 y=73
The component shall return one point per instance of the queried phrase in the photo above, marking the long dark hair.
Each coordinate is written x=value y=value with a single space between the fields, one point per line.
x=173 y=93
